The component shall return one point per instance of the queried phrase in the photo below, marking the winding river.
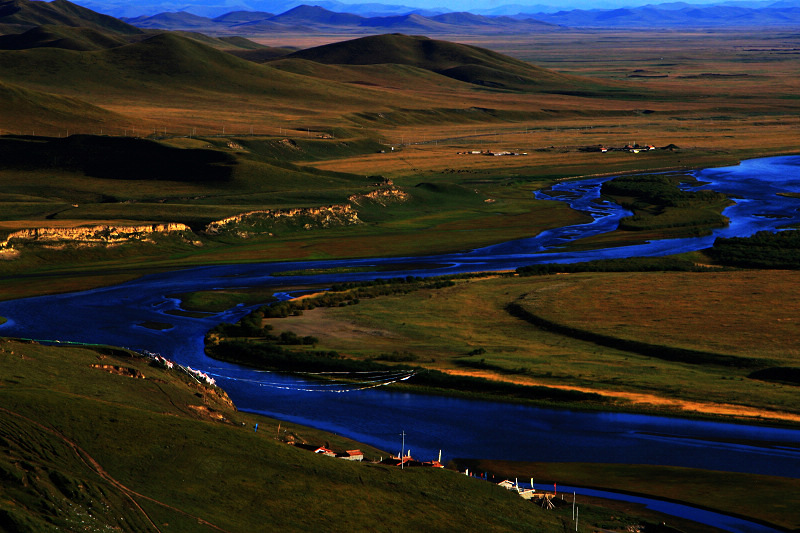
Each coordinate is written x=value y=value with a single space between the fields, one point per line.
x=460 y=428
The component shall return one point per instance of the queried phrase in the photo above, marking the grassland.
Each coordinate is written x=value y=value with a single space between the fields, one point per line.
x=683 y=343
x=718 y=97
x=403 y=122
x=89 y=446
x=676 y=484
x=96 y=438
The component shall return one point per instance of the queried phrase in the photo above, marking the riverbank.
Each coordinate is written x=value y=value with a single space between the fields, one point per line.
x=768 y=500
x=652 y=404
x=605 y=436
x=112 y=444
x=467 y=332
x=62 y=269
x=141 y=460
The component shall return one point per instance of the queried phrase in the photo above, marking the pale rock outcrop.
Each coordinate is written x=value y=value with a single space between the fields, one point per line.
x=260 y=222
x=382 y=196
x=96 y=234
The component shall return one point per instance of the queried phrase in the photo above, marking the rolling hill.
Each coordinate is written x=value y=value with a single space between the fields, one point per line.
x=240 y=17
x=196 y=75
x=23 y=110
x=179 y=20
x=20 y=15
x=166 y=61
x=469 y=64
x=411 y=23
x=116 y=443
x=166 y=69
x=315 y=16
x=67 y=37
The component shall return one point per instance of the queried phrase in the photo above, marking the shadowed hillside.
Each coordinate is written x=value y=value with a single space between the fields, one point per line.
x=25 y=14
x=116 y=158
x=67 y=37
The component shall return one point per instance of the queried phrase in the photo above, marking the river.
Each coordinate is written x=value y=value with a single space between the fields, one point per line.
x=460 y=428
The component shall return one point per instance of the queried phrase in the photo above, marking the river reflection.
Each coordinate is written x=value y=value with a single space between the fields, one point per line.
x=114 y=315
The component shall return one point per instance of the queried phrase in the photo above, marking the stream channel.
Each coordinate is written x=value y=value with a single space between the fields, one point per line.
x=459 y=427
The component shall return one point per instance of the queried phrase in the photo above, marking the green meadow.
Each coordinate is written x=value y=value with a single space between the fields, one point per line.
x=72 y=426
x=688 y=343
x=75 y=459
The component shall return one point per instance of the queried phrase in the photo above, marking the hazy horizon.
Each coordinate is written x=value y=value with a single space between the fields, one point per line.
x=499 y=7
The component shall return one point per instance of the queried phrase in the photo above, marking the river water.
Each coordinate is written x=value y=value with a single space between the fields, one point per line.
x=460 y=428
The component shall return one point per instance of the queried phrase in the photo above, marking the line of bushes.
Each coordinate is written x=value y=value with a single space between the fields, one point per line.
x=666 y=353
x=765 y=249
x=630 y=264
x=778 y=374
x=343 y=294
x=269 y=356
x=272 y=357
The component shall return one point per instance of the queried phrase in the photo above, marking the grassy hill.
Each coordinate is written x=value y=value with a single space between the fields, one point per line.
x=23 y=14
x=27 y=109
x=60 y=37
x=466 y=63
x=401 y=49
x=166 y=62
x=97 y=438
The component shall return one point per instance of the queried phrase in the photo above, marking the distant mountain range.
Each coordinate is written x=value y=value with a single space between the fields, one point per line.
x=675 y=15
x=316 y=18
x=215 y=8
x=17 y=15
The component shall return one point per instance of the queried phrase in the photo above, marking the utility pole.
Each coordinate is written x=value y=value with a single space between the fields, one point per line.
x=403 y=451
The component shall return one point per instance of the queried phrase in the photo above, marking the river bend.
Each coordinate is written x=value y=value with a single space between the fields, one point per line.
x=463 y=428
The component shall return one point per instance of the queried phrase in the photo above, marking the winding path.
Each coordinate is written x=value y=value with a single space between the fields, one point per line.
x=98 y=469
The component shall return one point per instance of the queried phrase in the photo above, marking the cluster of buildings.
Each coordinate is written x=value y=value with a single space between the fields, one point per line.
x=403 y=462
x=632 y=148
x=349 y=455
x=492 y=152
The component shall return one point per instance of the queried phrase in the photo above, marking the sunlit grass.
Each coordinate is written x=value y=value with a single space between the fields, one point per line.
x=467 y=328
